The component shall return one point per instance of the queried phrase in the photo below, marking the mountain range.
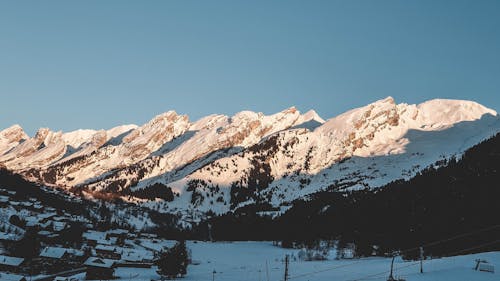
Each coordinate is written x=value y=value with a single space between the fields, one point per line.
x=219 y=164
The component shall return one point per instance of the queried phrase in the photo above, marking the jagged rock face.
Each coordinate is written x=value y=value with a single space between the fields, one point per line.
x=44 y=147
x=220 y=163
x=208 y=139
x=11 y=137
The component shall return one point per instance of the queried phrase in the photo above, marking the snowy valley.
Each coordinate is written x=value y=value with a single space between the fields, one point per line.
x=110 y=201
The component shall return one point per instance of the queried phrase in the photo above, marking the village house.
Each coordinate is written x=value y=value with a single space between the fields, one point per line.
x=57 y=258
x=8 y=239
x=92 y=238
x=108 y=252
x=10 y=264
x=99 y=268
x=11 y=277
x=119 y=234
x=136 y=258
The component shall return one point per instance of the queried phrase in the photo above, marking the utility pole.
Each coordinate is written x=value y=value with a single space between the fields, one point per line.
x=391 y=277
x=213 y=275
x=267 y=272
x=421 y=259
x=286 y=268
x=478 y=261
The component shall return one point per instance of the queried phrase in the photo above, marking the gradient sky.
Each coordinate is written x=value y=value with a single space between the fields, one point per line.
x=97 y=64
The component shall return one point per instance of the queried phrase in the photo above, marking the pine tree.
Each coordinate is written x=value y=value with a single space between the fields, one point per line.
x=173 y=262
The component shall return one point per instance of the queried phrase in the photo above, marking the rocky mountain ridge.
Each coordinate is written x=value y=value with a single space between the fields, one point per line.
x=220 y=163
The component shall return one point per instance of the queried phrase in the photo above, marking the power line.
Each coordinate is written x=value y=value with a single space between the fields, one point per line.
x=324 y=270
x=451 y=238
x=416 y=263
x=412 y=249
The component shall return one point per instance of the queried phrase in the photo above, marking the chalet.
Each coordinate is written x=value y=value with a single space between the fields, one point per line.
x=31 y=221
x=119 y=234
x=109 y=252
x=48 y=237
x=149 y=235
x=60 y=253
x=99 y=268
x=60 y=278
x=38 y=206
x=137 y=256
x=94 y=237
x=11 y=277
x=46 y=216
x=51 y=259
x=7 y=239
x=4 y=199
x=347 y=252
x=55 y=259
x=53 y=252
x=10 y=264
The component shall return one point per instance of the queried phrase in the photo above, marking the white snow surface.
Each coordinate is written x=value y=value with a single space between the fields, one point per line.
x=246 y=261
x=299 y=154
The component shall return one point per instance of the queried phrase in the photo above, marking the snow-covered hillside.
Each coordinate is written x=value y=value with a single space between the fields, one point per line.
x=220 y=163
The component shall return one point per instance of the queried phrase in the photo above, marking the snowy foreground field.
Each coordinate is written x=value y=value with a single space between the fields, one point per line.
x=246 y=261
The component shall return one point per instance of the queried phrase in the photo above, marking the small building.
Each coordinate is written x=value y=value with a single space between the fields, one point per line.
x=347 y=252
x=53 y=252
x=61 y=253
x=11 y=277
x=108 y=252
x=57 y=259
x=119 y=234
x=94 y=237
x=137 y=256
x=61 y=278
x=99 y=268
x=7 y=239
x=52 y=259
x=10 y=264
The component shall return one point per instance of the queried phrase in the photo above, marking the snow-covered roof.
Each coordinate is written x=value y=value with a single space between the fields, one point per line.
x=11 y=277
x=110 y=241
x=118 y=231
x=106 y=248
x=53 y=252
x=76 y=252
x=136 y=255
x=11 y=261
x=94 y=235
x=46 y=215
x=44 y=233
x=9 y=236
x=58 y=252
x=59 y=225
x=98 y=262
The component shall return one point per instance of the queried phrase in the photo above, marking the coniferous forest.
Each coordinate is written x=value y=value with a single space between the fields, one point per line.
x=459 y=197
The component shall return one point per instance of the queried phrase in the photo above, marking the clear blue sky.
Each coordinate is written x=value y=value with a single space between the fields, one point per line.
x=97 y=64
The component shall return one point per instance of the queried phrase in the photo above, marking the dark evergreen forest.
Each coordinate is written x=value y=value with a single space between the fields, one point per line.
x=461 y=197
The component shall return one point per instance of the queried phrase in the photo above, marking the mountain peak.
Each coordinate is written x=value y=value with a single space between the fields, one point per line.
x=11 y=137
x=13 y=132
x=446 y=112
x=388 y=99
x=313 y=115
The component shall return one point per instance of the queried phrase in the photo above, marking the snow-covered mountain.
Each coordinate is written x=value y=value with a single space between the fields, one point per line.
x=220 y=163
